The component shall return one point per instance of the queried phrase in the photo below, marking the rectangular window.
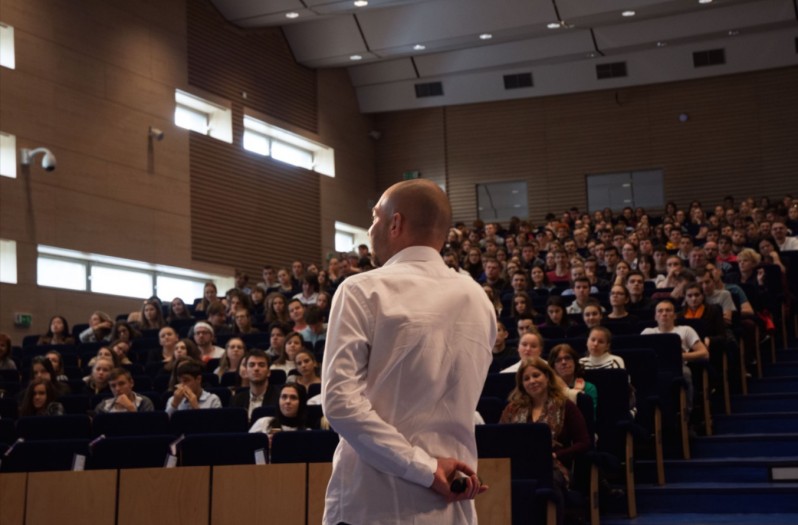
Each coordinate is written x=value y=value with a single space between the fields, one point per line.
x=59 y=273
x=7 y=58
x=203 y=116
x=117 y=281
x=285 y=146
x=171 y=287
x=8 y=155
x=8 y=261
x=74 y=270
x=643 y=188
x=192 y=119
x=348 y=237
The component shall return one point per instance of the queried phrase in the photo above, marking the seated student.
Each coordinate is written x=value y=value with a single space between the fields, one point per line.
x=693 y=349
x=261 y=391
x=217 y=318
x=598 y=349
x=291 y=412
x=177 y=311
x=635 y=284
x=39 y=399
x=189 y=393
x=99 y=329
x=315 y=330
x=310 y=289
x=525 y=324
x=234 y=352
x=581 y=295
x=123 y=331
x=538 y=398
x=151 y=315
x=107 y=353
x=204 y=335
x=57 y=360
x=306 y=367
x=555 y=313
x=121 y=349
x=565 y=362
x=714 y=296
x=57 y=333
x=696 y=307
x=501 y=349
x=529 y=345
x=42 y=368
x=522 y=306
x=619 y=298
x=125 y=399
x=293 y=344
x=6 y=362
x=296 y=312
x=592 y=314
x=243 y=322
x=97 y=381
x=578 y=271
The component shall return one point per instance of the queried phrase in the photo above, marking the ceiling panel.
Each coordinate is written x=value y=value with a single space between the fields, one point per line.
x=383 y=71
x=525 y=51
x=327 y=37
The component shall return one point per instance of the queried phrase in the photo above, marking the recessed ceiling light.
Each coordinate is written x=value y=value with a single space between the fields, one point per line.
x=591 y=55
x=485 y=36
x=704 y=1
x=554 y=25
x=733 y=32
x=361 y=3
x=292 y=14
x=662 y=44
x=419 y=47
x=628 y=13
x=355 y=57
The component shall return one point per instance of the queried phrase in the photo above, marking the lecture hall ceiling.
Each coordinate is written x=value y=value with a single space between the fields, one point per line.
x=403 y=42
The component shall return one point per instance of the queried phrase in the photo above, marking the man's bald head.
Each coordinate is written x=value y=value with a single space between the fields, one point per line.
x=410 y=213
x=425 y=209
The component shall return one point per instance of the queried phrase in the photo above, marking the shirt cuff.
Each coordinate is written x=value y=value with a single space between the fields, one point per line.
x=421 y=469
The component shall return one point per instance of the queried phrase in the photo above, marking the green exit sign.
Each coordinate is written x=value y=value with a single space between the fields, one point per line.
x=23 y=320
x=409 y=175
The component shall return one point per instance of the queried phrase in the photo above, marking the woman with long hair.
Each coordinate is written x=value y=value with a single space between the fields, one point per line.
x=40 y=399
x=57 y=333
x=151 y=315
x=276 y=308
x=538 y=398
x=291 y=412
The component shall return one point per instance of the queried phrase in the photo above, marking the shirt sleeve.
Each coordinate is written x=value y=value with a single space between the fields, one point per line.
x=345 y=404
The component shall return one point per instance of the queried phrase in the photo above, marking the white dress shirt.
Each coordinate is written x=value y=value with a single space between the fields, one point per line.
x=408 y=349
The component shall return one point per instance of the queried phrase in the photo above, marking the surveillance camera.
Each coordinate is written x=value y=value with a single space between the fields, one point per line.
x=48 y=159
x=156 y=133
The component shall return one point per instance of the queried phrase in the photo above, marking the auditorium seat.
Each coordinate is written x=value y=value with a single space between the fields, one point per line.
x=68 y=426
x=44 y=455
x=211 y=420
x=123 y=452
x=131 y=424
x=304 y=446
x=223 y=449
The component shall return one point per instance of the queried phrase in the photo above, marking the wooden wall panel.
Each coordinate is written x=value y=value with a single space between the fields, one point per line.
x=175 y=496
x=411 y=140
x=347 y=196
x=247 y=209
x=483 y=146
x=64 y=497
x=229 y=61
x=12 y=498
x=739 y=139
x=284 y=494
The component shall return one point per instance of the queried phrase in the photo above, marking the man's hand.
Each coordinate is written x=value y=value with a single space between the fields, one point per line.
x=447 y=472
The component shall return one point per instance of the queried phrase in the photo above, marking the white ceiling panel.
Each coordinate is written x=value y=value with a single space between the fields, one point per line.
x=324 y=38
x=238 y=10
x=445 y=19
x=381 y=72
x=690 y=25
x=526 y=51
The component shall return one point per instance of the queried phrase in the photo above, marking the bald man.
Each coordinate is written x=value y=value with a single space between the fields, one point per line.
x=408 y=349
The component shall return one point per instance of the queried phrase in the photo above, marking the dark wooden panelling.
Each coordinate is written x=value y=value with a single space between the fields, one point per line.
x=739 y=139
x=247 y=210
x=229 y=61
x=411 y=140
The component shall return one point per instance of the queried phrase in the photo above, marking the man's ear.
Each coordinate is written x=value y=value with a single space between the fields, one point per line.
x=397 y=224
